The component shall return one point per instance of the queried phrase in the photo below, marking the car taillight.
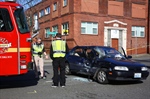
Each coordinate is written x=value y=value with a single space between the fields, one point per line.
x=23 y=56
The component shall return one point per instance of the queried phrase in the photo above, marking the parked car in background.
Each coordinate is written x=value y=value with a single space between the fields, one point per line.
x=104 y=64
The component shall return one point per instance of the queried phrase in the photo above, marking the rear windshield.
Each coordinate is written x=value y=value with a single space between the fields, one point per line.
x=21 y=20
x=5 y=21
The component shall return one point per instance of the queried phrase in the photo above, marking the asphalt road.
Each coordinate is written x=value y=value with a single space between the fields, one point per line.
x=78 y=87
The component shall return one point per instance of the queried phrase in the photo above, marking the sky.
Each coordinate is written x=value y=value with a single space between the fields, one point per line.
x=27 y=3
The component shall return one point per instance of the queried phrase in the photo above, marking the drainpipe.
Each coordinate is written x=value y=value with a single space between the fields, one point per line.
x=148 y=29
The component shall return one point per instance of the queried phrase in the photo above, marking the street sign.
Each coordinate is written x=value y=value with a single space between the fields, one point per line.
x=53 y=34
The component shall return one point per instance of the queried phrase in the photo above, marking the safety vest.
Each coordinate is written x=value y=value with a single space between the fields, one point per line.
x=37 y=49
x=59 y=48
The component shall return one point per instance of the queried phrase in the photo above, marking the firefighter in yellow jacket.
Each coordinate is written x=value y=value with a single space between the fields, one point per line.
x=37 y=51
x=58 y=50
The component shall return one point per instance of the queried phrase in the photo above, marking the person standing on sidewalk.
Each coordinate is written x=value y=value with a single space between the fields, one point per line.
x=58 y=50
x=37 y=51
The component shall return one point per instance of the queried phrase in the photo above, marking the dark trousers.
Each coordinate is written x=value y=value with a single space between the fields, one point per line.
x=59 y=63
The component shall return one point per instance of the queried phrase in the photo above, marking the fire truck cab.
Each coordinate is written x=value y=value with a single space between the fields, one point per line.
x=15 y=54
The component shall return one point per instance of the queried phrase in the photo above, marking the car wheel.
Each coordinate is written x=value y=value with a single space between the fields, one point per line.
x=67 y=69
x=102 y=76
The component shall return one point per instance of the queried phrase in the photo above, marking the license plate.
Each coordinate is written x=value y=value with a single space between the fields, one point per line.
x=137 y=75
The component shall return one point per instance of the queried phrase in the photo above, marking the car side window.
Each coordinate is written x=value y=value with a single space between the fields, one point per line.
x=89 y=53
x=78 y=52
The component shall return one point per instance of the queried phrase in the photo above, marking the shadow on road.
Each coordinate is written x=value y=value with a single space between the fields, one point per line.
x=111 y=82
x=125 y=82
x=18 y=81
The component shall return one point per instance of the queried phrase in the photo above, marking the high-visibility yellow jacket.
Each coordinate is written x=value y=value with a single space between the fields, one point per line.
x=37 y=49
x=59 y=48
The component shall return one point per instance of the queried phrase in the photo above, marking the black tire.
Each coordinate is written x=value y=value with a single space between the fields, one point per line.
x=67 y=69
x=102 y=76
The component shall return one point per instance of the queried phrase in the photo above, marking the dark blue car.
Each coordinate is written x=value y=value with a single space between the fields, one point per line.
x=104 y=64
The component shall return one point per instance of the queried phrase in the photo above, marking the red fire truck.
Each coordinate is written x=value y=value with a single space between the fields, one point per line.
x=15 y=52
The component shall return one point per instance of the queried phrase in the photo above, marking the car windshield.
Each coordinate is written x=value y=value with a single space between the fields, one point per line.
x=21 y=20
x=109 y=52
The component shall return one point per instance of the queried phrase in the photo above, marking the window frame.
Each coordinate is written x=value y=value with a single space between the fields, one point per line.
x=35 y=19
x=65 y=27
x=47 y=10
x=65 y=2
x=46 y=30
x=55 y=6
x=136 y=31
x=41 y=13
x=54 y=27
x=85 y=25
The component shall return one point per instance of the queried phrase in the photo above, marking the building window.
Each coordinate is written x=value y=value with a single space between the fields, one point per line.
x=55 y=6
x=41 y=13
x=89 y=28
x=47 y=30
x=35 y=24
x=47 y=10
x=65 y=28
x=64 y=2
x=138 y=31
x=55 y=28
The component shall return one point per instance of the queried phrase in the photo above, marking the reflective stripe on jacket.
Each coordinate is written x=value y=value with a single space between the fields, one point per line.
x=37 y=48
x=59 y=48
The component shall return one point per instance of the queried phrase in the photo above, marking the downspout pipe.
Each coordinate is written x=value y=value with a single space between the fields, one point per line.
x=148 y=29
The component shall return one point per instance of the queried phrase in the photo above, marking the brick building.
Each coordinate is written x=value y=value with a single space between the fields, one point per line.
x=95 y=22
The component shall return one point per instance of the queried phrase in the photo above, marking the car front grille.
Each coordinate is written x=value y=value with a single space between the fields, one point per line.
x=135 y=69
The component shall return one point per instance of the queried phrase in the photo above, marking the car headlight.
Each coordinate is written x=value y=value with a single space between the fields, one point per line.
x=144 y=69
x=122 y=68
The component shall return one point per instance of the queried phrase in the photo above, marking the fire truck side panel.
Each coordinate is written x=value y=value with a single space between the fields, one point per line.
x=14 y=47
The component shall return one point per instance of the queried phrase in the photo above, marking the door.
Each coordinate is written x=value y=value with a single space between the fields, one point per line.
x=115 y=43
x=8 y=44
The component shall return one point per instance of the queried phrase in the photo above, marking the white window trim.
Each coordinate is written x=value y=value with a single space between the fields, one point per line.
x=54 y=27
x=46 y=32
x=86 y=28
x=65 y=3
x=40 y=13
x=64 y=29
x=137 y=31
x=55 y=6
x=47 y=11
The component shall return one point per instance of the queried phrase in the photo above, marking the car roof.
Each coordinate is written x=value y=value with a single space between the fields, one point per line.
x=92 y=47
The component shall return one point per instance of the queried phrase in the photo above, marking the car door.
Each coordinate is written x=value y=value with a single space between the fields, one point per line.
x=122 y=51
x=76 y=59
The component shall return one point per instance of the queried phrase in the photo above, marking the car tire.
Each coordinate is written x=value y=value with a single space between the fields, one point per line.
x=67 y=69
x=102 y=76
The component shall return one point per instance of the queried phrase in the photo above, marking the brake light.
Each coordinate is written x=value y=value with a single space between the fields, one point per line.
x=23 y=56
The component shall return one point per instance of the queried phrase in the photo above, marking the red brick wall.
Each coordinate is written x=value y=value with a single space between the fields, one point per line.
x=115 y=8
x=99 y=11
x=90 y=6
